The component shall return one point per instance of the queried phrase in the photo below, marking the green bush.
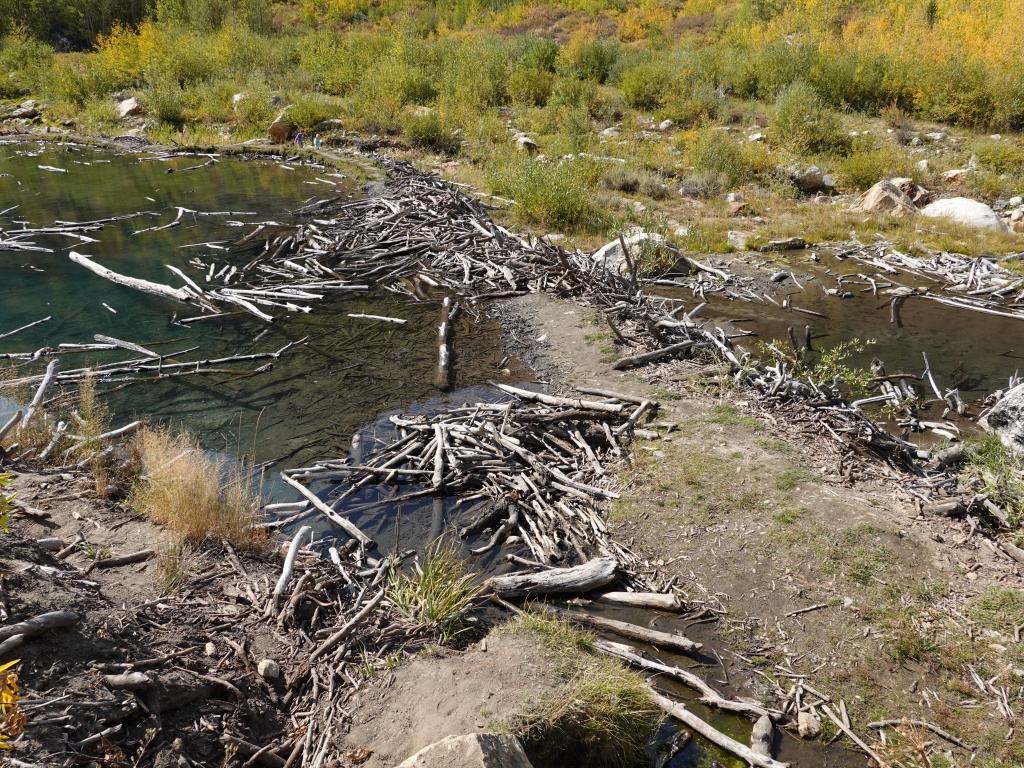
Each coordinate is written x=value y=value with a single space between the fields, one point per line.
x=686 y=110
x=555 y=196
x=23 y=64
x=863 y=168
x=591 y=61
x=646 y=86
x=165 y=104
x=426 y=129
x=1000 y=156
x=715 y=152
x=530 y=86
x=308 y=110
x=255 y=111
x=805 y=124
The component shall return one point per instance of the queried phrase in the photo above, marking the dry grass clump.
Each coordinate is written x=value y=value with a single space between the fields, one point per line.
x=188 y=491
x=601 y=716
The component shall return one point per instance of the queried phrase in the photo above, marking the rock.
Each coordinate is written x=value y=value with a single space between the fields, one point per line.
x=737 y=240
x=526 y=144
x=935 y=136
x=756 y=136
x=268 y=669
x=788 y=244
x=210 y=649
x=886 y=197
x=476 y=750
x=809 y=179
x=808 y=725
x=554 y=238
x=956 y=174
x=1006 y=419
x=26 y=110
x=237 y=99
x=276 y=100
x=966 y=211
x=1015 y=202
x=417 y=110
x=611 y=257
x=330 y=124
x=129 y=108
x=666 y=125
x=280 y=130
x=609 y=133
x=923 y=166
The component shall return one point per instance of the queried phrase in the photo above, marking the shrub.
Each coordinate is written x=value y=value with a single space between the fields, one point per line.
x=530 y=86
x=863 y=168
x=686 y=110
x=255 y=110
x=165 y=104
x=198 y=496
x=803 y=123
x=1000 y=156
x=996 y=470
x=556 y=196
x=425 y=129
x=646 y=86
x=308 y=110
x=590 y=59
x=24 y=62
x=715 y=152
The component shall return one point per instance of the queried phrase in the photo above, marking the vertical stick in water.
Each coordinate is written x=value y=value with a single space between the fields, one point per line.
x=444 y=356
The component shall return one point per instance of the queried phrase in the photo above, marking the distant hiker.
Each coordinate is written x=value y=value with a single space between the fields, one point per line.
x=316 y=141
x=300 y=138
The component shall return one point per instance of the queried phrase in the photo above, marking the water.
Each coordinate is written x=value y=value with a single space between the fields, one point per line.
x=315 y=398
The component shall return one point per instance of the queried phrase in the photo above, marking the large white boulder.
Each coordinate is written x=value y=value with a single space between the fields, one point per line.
x=964 y=210
x=129 y=108
x=1006 y=418
x=476 y=750
x=611 y=257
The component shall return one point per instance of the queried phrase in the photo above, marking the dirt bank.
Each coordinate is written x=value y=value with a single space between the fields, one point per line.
x=818 y=575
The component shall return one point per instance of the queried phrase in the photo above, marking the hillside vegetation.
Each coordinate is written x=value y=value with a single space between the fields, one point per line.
x=835 y=82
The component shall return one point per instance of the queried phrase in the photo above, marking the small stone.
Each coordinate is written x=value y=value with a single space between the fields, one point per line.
x=935 y=136
x=808 y=725
x=756 y=136
x=610 y=133
x=666 y=125
x=737 y=240
x=1015 y=201
x=923 y=166
x=237 y=99
x=210 y=649
x=268 y=669
x=526 y=144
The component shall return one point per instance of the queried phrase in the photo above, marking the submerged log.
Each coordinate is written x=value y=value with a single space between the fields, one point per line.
x=592 y=575
x=712 y=734
x=157 y=289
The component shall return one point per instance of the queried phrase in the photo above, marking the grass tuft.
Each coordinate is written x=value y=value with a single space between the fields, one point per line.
x=189 y=492
x=438 y=595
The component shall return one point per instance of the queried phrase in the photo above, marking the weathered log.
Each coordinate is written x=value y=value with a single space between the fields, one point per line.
x=41 y=623
x=128 y=681
x=649 y=357
x=712 y=734
x=671 y=640
x=709 y=695
x=580 y=579
x=347 y=525
x=761 y=736
x=51 y=371
x=157 y=289
x=654 y=600
x=135 y=557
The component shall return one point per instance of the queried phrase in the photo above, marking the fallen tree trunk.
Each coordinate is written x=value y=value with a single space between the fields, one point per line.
x=41 y=623
x=709 y=695
x=650 y=357
x=592 y=575
x=157 y=289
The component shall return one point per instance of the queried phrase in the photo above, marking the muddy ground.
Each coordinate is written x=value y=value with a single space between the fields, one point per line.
x=819 y=575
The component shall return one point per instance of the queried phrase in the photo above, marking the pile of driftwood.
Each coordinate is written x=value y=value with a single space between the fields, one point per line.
x=532 y=470
x=978 y=284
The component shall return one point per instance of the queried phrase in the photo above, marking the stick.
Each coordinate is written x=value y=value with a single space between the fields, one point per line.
x=286 y=570
x=853 y=737
x=51 y=371
x=41 y=623
x=157 y=289
x=340 y=635
x=685 y=716
x=348 y=526
x=647 y=357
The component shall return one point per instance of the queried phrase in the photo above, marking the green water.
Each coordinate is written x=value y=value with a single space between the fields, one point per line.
x=314 y=400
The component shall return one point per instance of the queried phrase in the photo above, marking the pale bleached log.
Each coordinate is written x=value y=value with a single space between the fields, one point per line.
x=347 y=525
x=712 y=734
x=10 y=424
x=134 y=557
x=671 y=640
x=130 y=346
x=709 y=695
x=287 y=568
x=580 y=579
x=540 y=397
x=761 y=736
x=41 y=623
x=649 y=357
x=51 y=371
x=658 y=601
x=157 y=289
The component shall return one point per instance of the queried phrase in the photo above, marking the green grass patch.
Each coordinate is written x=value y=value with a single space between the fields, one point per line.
x=790 y=479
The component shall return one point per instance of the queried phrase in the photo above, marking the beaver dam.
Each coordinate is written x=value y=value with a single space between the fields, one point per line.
x=329 y=332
